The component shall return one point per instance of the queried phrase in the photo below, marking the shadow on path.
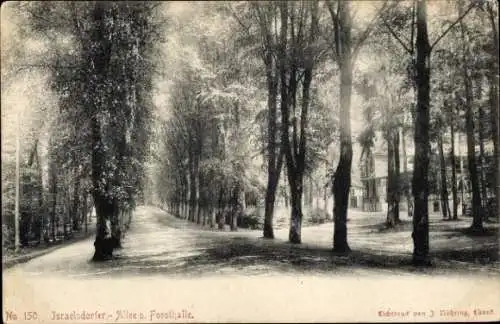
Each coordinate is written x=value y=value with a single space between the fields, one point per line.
x=158 y=243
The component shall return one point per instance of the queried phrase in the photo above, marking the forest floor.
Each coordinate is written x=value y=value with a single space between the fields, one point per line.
x=169 y=261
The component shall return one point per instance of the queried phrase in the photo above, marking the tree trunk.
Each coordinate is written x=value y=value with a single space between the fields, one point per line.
x=477 y=222
x=392 y=178
x=444 y=186
x=187 y=207
x=407 y=193
x=220 y=213
x=116 y=228
x=342 y=179
x=76 y=203
x=420 y=182
x=275 y=160
x=294 y=235
x=85 y=212
x=286 y=198
x=212 y=216
x=41 y=204
x=454 y=190
x=311 y=191
x=482 y=163
x=66 y=213
x=204 y=211
x=192 y=186
x=99 y=56
x=325 y=191
x=397 y=176
x=184 y=198
x=235 y=212
x=104 y=212
x=53 y=190
x=213 y=207
x=317 y=194
x=199 y=205
x=242 y=202
x=272 y=184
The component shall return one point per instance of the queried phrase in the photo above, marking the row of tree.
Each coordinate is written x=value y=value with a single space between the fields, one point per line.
x=287 y=51
x=99 y=58
x=255 y=97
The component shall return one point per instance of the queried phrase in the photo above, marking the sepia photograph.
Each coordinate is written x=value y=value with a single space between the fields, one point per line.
x=277 y=161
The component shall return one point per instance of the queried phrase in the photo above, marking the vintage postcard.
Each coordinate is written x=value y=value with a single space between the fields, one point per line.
x=250 y=161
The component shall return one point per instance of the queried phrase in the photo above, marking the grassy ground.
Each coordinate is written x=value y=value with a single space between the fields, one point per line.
x=452 y=249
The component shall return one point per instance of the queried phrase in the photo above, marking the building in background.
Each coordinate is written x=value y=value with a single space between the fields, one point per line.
x=373 y=170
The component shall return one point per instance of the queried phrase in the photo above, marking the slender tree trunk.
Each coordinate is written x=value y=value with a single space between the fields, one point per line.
x=294 y=235
x=397 y=176
x=406 y=192
x=220 y=214
x=70 y=216
x=184 y=201
x=235 y=208
x=192 y=188
x=66 y=213
x=391 y=201
x=187 y=207
x=53 y=191
x=420 y=181
x=297 y=184
x=272 y=184
x=85 y=212
x=199 y=207
x=325 y=191
x=286 y=198
x=482 y=163
x=203 y=207
x=76 y=203
x=477 y=222
x=274 y=160
x=443 y=186
x=311 y=190
x=41 y=204
x=211 y=215
x=242 y=203
x=342 y=179
x=393 y=178
x=317 y=194
x=453 y=170
x=288 y=91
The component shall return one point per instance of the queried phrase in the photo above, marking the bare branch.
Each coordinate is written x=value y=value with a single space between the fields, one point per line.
x=393 y=33
x=335 y=22
x=453 y=25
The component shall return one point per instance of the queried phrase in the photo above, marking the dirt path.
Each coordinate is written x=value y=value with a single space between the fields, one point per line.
x=169 y=266
x=158 y=243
